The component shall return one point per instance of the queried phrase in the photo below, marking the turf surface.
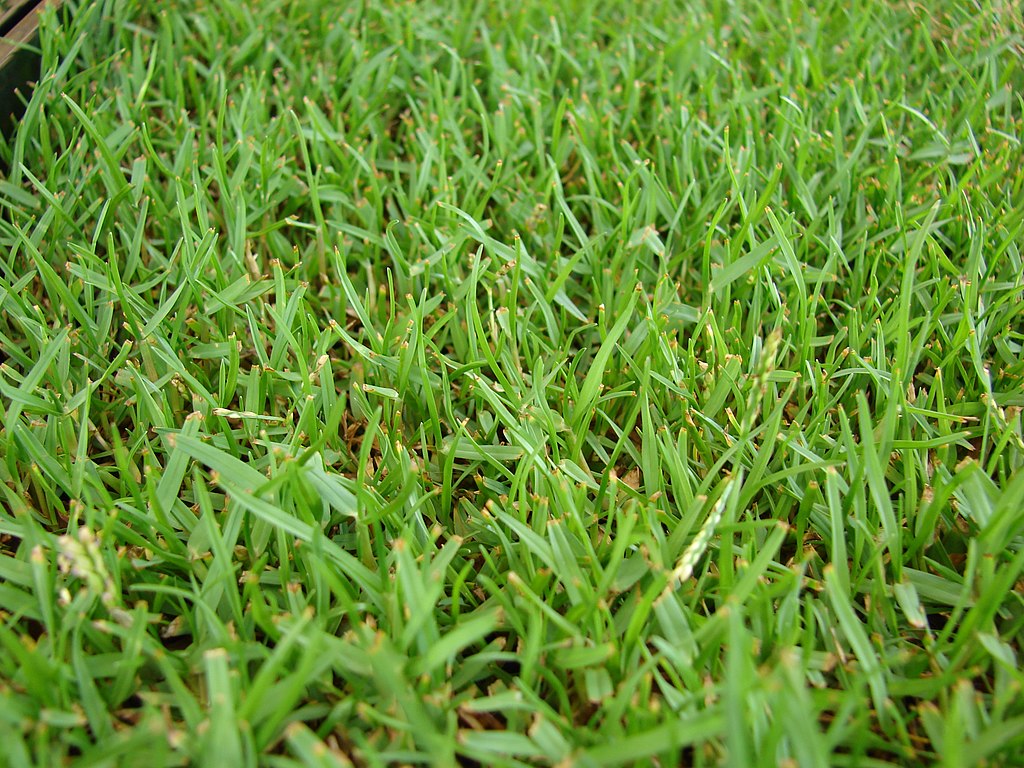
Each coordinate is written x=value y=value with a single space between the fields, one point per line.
x=514 y=383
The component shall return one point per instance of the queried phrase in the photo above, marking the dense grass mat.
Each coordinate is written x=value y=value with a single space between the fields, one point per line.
x=514 y=383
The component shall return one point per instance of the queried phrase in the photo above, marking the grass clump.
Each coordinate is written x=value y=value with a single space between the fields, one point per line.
x=514 y=383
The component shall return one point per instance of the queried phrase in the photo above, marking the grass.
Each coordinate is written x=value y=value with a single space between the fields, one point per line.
x=514 y=383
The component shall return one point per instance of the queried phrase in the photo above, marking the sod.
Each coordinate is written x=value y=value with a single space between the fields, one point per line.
x=520 y=383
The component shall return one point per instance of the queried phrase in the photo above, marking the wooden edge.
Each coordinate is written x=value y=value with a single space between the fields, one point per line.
x=14 y=10
x=22 y=32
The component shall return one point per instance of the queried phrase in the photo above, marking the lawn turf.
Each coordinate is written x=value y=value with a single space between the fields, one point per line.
x=514 y=383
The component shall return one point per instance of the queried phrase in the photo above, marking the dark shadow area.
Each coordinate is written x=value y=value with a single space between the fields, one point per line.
x=19 y=62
